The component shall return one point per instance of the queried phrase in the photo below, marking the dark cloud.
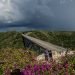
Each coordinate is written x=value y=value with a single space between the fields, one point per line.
x=40 y=14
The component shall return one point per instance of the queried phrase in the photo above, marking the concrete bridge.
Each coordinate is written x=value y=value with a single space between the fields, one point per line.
x=49 y=50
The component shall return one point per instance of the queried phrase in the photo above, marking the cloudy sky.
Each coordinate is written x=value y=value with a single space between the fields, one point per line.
x=37 y=14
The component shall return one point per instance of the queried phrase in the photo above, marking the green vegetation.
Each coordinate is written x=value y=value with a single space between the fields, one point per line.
x=65 y=39
x=1 y=71
x=11 y=40
x=12 y=49
x=16 y=56
x=14 y=39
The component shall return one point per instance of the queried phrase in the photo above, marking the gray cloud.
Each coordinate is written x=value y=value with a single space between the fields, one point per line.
x=50 y=13
x=15 y=10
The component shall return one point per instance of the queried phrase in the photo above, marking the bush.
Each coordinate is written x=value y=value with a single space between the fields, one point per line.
x=1 y=71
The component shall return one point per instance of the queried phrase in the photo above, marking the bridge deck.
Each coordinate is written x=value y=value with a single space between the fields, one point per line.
x=44 y=44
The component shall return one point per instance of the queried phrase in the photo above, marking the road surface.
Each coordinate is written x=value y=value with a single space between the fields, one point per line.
x=43 y=44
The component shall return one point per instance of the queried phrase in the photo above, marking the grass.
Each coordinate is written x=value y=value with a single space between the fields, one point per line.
x=14 y=39
x=52 y=68
x=12 y=50
x=16 y=56
x=11 y=40
x=65 y=39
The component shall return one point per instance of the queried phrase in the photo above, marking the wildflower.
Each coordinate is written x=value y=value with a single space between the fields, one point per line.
x=7 y=71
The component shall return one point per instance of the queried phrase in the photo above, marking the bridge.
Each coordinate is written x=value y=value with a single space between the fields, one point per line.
x=42 y=46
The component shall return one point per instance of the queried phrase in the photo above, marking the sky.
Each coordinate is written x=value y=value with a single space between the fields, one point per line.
x=37 y=14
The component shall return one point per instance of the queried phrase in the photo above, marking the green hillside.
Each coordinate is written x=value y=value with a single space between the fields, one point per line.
x=11 y=40
x=65 y=39
x=14 y=39
x=12 y=49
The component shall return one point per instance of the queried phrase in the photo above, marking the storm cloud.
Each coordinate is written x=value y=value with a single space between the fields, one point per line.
x=49 y=14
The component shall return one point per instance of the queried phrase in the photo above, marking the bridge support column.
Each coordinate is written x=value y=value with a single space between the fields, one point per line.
x=27 y=43
x=24 y=41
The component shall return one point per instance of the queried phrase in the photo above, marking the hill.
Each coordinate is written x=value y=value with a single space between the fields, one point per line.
x=11 y=40
x=12 y=49
x=65 y=39
x=14 y=39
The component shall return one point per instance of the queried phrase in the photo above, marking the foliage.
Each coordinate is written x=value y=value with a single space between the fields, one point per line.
x=13 y=53
x=1 y=71
x=65 y=39
x=11 y=40
x=16 y=56
x=14 y=39
x=52 y=68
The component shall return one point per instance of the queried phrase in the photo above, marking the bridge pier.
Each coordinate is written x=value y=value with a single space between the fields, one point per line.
x=24 y=41
x=30 y=45
x=41 y=46
x=27 y=43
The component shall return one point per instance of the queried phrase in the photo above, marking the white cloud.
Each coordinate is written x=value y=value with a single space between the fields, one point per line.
x=8 y=13
x=16 y=10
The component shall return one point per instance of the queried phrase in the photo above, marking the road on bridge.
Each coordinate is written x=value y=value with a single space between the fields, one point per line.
x=43 y=44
